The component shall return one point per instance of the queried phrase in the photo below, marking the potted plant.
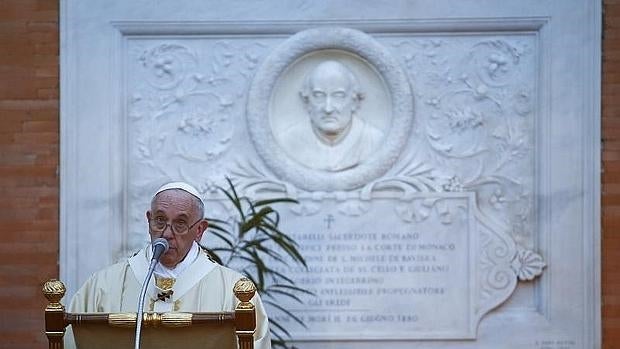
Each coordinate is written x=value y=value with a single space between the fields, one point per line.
x=254 y=241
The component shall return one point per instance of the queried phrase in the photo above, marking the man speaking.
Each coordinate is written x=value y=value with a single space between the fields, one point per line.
x=185 y=279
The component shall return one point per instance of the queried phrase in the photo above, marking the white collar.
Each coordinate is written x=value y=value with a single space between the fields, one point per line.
x=198 y=267
x=165 y=272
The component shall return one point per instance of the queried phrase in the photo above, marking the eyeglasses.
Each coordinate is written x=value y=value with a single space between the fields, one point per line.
x=178 y=227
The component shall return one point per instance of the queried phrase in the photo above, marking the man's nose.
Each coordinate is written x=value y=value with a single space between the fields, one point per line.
x=167 y=232
x=329 y=105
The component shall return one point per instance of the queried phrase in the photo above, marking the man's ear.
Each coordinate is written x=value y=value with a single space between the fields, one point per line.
x=305 y=100
x=357 y=101
x=202 y=227
x=148 y=215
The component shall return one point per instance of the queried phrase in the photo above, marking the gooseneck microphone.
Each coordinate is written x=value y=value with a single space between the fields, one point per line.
x=160 y=246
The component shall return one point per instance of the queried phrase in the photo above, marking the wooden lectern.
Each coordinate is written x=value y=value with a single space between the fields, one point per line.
x=221 y=330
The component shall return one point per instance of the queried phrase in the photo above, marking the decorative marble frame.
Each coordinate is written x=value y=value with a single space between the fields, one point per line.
x=93 y=197
x=307 y=42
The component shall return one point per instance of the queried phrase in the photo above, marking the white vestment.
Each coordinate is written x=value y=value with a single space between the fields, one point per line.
x=204 y=286
x=303 y=145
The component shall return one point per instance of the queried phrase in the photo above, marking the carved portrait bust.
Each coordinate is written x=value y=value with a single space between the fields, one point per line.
x=329 y=109
x=332 y=137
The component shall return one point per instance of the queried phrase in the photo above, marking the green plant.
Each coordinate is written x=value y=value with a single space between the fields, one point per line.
x=255 y=241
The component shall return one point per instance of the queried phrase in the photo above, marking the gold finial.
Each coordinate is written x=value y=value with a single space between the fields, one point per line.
x=54 y=290
x=244 y=290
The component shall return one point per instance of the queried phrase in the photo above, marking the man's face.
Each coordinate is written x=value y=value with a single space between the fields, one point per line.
x=331 y=101
x=176 y=207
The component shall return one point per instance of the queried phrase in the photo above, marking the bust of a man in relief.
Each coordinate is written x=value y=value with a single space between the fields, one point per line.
x=332 y=138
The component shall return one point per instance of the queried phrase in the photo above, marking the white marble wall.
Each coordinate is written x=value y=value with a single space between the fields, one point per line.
x=473 y=224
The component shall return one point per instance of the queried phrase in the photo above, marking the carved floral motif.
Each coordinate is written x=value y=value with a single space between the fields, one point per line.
x=166 y=64
x=183 y=101
x=527 y=264
x=477 y=115
x=420 y=210
x=497 y=280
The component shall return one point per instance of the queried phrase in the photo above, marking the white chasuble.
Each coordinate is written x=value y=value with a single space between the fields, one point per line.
x=203 y=286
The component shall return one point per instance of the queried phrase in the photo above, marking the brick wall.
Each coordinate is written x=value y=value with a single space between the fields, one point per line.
x=611 y=175
x=28 y=166
x=29 y=140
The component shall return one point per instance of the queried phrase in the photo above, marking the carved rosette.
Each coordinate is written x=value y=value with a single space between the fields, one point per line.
x=527 y=264
x=166 y=64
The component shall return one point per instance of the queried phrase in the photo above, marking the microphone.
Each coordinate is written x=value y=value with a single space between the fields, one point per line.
x=160 y=246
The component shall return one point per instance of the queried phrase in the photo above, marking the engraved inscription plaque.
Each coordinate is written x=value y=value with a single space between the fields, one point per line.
x=397 y=279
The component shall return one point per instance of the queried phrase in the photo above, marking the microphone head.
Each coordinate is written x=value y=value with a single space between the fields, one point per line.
x=160 y=246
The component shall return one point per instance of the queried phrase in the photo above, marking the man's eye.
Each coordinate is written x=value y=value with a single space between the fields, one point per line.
x=317 y=94
x=179 y=226
x=161 y=220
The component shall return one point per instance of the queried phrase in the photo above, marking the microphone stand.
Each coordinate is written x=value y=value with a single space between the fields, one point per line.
x=160 y=246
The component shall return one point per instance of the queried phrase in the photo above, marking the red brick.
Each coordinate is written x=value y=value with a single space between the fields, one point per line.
x=33 y=257
x=45 y=36
x=610 y=123
x=13 y=27
x=26 y=171
x=47 y=5
x=33 y=104
x=39 y=138
x=43 y=114
x=46 y=82
x=40 y=126
x=610 y=166
x=611 y=155
x=31 y=236
x=46 y=48
x=21 y=192
x=44 y=27
x=18 y=91
x=48 y=93
x=46 y=72
x=41 y=272
x=17 y=9
x=45 y=16
x=51 y=200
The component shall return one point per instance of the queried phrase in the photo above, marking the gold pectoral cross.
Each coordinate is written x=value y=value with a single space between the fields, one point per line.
x=165 y=286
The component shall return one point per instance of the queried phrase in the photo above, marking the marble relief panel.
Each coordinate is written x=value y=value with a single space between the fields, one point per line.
x=456 y=119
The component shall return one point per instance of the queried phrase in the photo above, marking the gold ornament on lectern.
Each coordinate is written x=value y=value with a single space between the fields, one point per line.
x=54 y=290
x=244 y=290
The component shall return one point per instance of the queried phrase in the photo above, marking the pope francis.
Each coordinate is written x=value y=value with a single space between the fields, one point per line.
x=186 y=279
